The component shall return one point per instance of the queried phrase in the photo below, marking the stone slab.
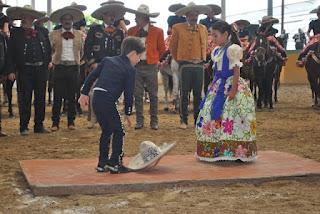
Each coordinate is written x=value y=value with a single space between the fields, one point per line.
x=78 y=176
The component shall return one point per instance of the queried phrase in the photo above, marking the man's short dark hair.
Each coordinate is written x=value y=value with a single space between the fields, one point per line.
x=132 y=43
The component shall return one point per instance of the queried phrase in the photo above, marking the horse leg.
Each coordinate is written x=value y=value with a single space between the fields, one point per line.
x=165 y=81
x=260 y=94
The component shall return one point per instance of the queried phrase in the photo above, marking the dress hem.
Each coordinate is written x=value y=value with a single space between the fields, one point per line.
x=225 y=159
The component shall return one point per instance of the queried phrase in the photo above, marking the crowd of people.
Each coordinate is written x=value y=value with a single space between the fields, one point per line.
x=110 y=59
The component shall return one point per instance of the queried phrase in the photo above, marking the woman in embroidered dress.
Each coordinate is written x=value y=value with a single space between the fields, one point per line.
x=226 y=125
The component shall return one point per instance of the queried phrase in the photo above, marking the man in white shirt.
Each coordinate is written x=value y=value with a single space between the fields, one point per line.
x=67 y=50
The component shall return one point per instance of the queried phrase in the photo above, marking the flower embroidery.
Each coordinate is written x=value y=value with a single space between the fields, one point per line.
x=228 y=126
x=240 y=87
x=199 y=124
x=253 y=127
x=208 y=129
x=216 y=152
x=241 y=152
x=242 y=123
x=217 y=124
x=227 y=153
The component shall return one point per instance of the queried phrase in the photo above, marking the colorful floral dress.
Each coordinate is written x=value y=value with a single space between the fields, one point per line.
x=226 y=129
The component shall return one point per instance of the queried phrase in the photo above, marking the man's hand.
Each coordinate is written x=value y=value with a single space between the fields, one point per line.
x=93 y=66
x=50 y=65
x=12 y=76
x=128 y=119
x=83 y=100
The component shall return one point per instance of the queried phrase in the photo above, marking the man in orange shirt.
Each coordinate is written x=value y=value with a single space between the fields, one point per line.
x=147 y=71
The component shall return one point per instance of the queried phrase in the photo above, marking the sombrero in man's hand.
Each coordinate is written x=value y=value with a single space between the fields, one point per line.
x=149 y=155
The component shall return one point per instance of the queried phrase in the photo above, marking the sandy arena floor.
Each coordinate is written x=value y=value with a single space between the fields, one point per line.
x=292 y=127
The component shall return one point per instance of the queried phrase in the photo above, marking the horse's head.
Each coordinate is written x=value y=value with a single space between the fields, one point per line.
x=261 y=49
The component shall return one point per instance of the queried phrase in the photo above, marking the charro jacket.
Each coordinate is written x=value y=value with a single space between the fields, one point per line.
x=154 y=43
x=56 y=44
x=188 y=44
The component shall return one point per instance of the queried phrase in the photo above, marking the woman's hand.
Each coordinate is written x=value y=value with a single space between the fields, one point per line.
x=232 y=93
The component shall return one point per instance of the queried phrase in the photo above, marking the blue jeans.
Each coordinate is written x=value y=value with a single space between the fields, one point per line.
x=109 y=119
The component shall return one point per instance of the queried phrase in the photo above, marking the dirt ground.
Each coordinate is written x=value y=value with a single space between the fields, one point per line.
x=292 y=127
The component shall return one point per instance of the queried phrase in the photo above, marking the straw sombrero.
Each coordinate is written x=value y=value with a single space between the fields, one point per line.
x=149 y=155
x=269 y=20
x=215 y=9
x=76 y=14
x=16 y=13
x=3 y=5
x=242 y=22
x=78 y=6
x=174 y=7
x=317 y=10
x=143 y=10
x=201 y=9
x=118 y=9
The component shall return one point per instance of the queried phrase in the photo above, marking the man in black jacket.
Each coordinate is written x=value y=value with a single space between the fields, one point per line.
x=4 y=21
x=29 y=54
x=104 y=40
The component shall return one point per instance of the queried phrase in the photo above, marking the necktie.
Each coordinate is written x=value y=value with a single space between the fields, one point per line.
x=142 y=33
x=109 y=29
x=30 y=33
x=67 y=35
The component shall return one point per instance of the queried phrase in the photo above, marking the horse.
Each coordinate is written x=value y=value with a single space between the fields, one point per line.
x=313 y=72
x=167 y=84
x=264 y=67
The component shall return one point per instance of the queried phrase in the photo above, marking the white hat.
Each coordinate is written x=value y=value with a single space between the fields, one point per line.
x=149 y=155
x=76 y=14
x=201 y=9
x=111 y=6
x=143 y=10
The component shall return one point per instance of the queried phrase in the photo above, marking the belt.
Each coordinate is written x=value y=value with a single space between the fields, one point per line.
x=34 y=63
x=143 y=62
x=68 y=63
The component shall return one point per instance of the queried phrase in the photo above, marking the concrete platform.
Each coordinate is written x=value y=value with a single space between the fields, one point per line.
x=78 y=176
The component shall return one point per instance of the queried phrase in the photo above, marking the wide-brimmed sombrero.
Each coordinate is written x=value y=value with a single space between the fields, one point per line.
x=78 y=6
x=76 y=14
x=111 y=6
x=149 y=155
x=242 y=22
x=215 y=9
x=16 y=13
x=269 y=20
x=174 y=7
x=143 y=10
x=317 y=10
x=200 y=9
x=42 y=19
x=3 y=5
x=111 y=2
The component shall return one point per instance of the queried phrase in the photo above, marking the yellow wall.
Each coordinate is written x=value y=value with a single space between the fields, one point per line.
x=291 y=74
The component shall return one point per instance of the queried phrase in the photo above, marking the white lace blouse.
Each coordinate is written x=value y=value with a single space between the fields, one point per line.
x=234 y=53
